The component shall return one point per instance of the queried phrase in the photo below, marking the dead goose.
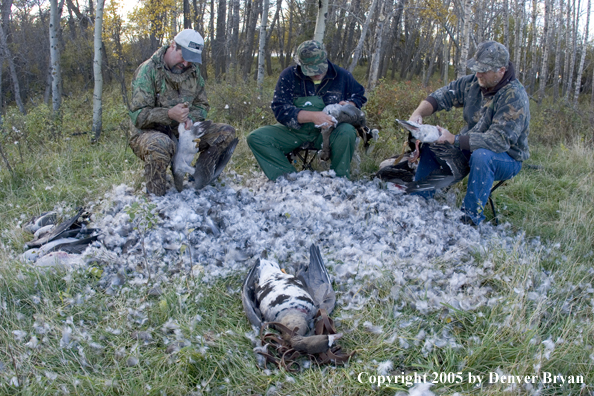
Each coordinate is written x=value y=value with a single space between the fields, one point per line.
x=343 y=114
x=422 y=133
x=187 y=148
x=270 y=295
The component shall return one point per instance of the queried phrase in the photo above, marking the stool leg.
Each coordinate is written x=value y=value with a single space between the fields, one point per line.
x=491 y=201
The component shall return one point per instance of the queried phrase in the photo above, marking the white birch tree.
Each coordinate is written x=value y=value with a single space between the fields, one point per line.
x=54 y=28
x=262 y=45
x=97 y=61
x=321 y=21
x=461 y=69
x=364 y=29
x=578 y=80
x=545 y=52
x=381 y=29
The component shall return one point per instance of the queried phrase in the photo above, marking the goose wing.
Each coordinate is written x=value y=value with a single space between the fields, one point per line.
x=454 y=159
x=248 y=296
x=315 y=278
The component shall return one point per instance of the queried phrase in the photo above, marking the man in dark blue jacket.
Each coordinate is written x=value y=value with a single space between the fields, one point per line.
x=301 y=93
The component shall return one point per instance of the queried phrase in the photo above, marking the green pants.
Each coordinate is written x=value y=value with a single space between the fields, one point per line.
x=270 y=145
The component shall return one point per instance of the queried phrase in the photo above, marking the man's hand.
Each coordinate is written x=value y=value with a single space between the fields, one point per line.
x=425 y=109
x=317 y=117
x=416 y=118
x=179 y=113
x=446 y=136
x=346 y=102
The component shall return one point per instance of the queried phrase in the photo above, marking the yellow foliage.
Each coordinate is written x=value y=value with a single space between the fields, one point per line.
x=154 y=18
x=436 y=10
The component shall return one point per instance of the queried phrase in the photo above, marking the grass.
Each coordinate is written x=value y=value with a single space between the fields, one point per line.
x=86 y=344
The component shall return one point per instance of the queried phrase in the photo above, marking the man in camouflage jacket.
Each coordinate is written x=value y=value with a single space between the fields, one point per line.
x=168 y=89
x=497 y=115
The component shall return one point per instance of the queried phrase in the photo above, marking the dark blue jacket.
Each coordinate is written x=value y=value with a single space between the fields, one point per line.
x=337 y=85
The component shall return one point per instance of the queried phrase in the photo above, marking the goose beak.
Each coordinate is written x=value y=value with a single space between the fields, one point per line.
x=314 y=344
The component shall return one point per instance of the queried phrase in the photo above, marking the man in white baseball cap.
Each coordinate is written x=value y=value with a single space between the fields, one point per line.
x=168 y=90
x=191 y=43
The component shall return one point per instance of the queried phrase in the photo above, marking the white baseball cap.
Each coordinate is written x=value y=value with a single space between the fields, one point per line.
x=191 y=43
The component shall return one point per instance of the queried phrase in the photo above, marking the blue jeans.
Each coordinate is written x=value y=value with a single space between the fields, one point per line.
x=486 y=166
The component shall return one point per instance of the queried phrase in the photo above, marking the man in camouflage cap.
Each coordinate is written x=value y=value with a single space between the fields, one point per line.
x=497 y=115
x=301 y=93
x=168 y=90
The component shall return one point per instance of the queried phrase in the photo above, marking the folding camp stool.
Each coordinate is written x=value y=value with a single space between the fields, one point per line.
x=499 y=184
x=303 y=153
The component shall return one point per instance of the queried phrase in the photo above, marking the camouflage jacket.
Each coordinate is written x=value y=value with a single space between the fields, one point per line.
x=155 y=90
x=336 y=86
x=498 y=122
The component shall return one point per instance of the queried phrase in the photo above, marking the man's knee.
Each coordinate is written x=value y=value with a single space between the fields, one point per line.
x=345 y=132
x=153 y=145
x=256 y=138
x=481 y=158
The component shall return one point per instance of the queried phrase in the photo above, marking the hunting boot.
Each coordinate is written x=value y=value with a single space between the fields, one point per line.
x=155 y=176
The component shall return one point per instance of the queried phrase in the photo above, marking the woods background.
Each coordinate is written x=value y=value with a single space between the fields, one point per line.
x=394 y=39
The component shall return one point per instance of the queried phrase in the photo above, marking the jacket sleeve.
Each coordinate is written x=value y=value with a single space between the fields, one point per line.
x=355 y=92
x=143 y=112
x=452 y=95
x=509 y=111
x=282 y=105
x=200 y=107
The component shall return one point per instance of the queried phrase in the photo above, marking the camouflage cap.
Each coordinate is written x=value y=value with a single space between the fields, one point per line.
x=312 y=58
x=490 y=55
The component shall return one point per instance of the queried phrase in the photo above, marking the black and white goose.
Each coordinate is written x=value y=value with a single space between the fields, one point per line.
x=453 y=168
x=453 y=163
x=270 y=295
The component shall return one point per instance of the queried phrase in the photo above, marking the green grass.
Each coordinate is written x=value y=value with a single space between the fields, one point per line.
x=554 y=202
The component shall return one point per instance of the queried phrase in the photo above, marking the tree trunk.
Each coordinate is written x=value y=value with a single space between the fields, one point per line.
x=578 y=80
x=234 y=44
x=558 y=52
x=545 y=52
x=98 y=91
x=280 y=31
x=290 y=36
x=446 y=63
x=250 y=33
x=364 y=29
x=321 y=21
x=381 y=31
x=5 y=53
x=518 y=37
x=268 y=52
x=262 y=45
x=187 y=16
x=434 y=52
x=218 y=49
x=461 y=67
x=348 y=38
x=506 y=24
x=55 y=57
x=567 y=45
x=13 y=74
x=573 y=50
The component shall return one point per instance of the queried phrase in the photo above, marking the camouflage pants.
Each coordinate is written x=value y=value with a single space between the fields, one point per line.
x=157 y=149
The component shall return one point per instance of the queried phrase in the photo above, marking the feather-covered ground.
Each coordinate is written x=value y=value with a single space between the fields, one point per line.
x=369 y=233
